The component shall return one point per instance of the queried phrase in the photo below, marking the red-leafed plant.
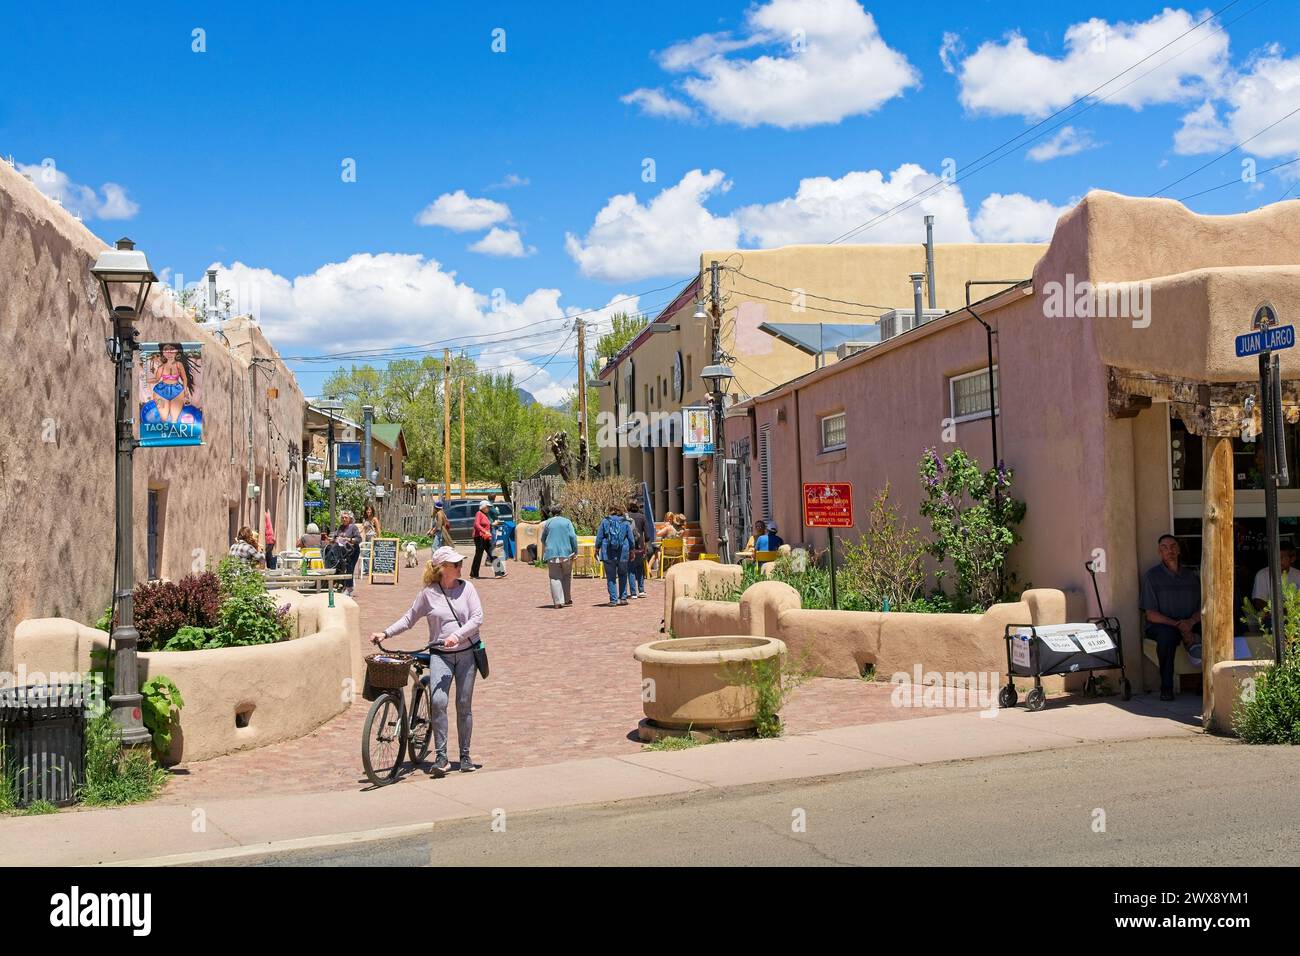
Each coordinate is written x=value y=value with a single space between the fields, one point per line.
x=161 y=608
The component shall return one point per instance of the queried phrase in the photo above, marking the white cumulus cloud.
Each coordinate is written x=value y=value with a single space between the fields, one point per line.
x=505 y=243
x=461 y=212
x=1009 y=78
x=821 y=61
x=823 y=209
x=654 y=102
x=629 y=240
x=1016 y=217
x=1066 y=142
x=110 y=202
x=1257 y=98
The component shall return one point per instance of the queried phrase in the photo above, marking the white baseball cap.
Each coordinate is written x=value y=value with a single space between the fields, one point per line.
x=447 y=555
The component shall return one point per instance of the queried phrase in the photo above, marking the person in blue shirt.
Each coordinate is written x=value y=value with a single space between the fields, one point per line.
x=559 y=544
x=613 y=546
x=769 y=540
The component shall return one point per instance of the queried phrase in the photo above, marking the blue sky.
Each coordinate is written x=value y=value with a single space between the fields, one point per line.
x=789 y=120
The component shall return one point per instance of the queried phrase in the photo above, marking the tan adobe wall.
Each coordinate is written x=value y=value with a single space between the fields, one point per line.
x=287 y=690
x=56 y=435
x=843 y=643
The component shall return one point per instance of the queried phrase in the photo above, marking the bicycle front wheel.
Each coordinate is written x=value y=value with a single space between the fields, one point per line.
x=421 y=724
x=383 y=740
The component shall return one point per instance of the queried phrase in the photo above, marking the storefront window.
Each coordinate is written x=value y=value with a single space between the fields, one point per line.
x=1187 y=459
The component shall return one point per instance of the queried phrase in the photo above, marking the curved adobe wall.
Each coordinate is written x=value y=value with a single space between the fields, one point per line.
x=236 y=698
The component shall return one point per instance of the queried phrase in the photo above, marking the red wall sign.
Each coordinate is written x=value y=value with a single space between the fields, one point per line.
x=828 y=504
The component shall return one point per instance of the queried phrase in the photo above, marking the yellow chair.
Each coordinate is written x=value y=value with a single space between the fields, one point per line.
x=312 y=558
x=586 y=564
x=761 y=557
x=671 y=551
x=705 y=556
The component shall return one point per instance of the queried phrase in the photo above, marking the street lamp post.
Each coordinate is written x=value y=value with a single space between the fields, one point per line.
x=329 y=407
x=125 y=271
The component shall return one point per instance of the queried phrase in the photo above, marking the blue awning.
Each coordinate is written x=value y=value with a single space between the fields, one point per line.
x=818 y=337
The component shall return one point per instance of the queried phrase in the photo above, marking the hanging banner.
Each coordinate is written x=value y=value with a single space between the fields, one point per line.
x=697 y=430
x=170 y=396
x=348 y=459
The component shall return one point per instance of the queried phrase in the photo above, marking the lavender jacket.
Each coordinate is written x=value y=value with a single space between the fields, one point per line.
x=432 y=607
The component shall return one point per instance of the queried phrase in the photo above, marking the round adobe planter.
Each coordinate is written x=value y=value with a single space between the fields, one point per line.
x=691 y=686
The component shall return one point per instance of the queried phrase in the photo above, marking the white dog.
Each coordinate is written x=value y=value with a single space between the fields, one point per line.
x=410 y=554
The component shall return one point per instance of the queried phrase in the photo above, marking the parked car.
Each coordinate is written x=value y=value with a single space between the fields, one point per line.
x=461 y=511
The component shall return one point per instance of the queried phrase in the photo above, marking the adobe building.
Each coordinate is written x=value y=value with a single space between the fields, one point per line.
x=785 y=312
x=1121 y=406
x=57 y=430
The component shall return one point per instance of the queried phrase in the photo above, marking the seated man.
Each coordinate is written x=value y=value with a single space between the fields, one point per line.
x=1171 y=598
x=1261 y=593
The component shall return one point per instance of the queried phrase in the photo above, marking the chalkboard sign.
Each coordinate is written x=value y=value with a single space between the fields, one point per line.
x=383 y=561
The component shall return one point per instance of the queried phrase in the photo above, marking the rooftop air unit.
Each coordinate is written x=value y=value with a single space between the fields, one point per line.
x=845 y=349
x=897 y=321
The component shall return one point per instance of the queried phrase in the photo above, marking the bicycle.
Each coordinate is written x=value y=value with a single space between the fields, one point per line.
x=391 y=732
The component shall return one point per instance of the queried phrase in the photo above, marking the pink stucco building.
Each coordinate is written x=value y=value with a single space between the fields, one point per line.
x=1121 y=403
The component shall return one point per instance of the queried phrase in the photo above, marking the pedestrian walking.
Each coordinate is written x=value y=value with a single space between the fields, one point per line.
x=454 y=614
x=640 y=546
x=268 y=536
x=560 y=545
x=482 y=539
x=613 y=545
x=440 y=527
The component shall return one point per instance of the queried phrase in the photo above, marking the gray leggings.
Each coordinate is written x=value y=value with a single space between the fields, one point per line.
x=442 y=667
x=560 y=571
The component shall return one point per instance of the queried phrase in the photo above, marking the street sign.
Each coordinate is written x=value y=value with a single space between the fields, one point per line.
x=1271 y=339
x=828 y=504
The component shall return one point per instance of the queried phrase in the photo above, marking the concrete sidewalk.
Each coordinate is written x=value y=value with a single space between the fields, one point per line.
x=229 y=828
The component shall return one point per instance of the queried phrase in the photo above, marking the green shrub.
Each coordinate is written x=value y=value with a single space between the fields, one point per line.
x=115 y=776
x=161 y=702
x=886 y=566
x=973 y=521
x=771 y=682
x=1269 y=710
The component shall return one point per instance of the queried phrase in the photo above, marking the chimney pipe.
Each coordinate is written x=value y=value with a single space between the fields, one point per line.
x=929 y=258
x=212 y=293
x=917 y=278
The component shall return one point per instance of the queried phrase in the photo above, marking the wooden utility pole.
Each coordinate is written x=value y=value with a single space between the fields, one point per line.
x=446 y=423
x=582 y=399
x=1216 y=566
x=462 y=438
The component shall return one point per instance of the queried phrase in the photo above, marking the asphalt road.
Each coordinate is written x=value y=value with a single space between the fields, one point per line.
x=1192 y=801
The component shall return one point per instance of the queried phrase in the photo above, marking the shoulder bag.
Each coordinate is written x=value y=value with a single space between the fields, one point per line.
x=480 y=651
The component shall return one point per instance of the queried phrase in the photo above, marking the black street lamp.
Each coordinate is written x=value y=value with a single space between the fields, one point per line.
x=125 y=278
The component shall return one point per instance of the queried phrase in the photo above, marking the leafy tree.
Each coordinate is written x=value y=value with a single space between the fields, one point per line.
x=504 y=440
x=973 y=519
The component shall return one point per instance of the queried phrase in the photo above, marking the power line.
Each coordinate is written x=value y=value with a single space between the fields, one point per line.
x=805 y=292
x=1234 y=182
x=944 y=183
x=1226 y=153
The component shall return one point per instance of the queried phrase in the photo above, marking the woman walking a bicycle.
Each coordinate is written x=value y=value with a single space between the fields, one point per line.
x=452 y=609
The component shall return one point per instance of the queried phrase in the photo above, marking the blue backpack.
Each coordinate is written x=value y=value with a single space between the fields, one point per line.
x=616 y=535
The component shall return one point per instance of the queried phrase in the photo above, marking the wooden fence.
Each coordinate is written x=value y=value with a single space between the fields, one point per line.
x=537 y=493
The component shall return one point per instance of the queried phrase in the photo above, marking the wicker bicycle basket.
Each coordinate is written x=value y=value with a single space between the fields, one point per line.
x=388 y=671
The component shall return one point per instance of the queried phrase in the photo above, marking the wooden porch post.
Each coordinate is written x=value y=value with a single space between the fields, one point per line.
x=1217 y=629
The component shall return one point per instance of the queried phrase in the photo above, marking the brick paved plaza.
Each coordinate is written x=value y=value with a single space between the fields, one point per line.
x=563 y=686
